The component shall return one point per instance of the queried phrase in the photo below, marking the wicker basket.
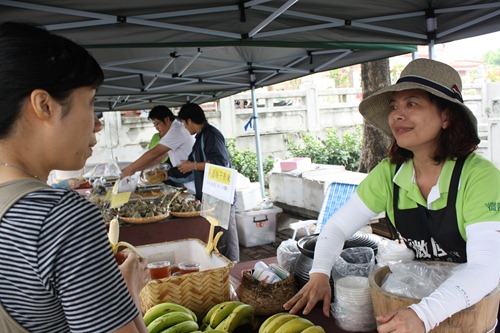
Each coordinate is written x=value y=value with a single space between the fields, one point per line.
x=196 y=291
x=266 y=299
x=142 y=220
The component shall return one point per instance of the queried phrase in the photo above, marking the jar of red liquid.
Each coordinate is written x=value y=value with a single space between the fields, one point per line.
x=186 y=267
x=159 y=269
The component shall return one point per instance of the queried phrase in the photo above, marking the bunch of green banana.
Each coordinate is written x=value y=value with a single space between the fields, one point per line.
x=170 y=318
x=284 y=322
x=227 y=316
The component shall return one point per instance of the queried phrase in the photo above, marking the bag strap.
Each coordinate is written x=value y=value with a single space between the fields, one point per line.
x=10 y=193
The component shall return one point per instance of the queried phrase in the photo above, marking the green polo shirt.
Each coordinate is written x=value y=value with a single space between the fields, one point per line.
x=155 y=139
x=478 y=197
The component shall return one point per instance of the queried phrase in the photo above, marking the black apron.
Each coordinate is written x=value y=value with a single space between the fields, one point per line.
x=433 y=234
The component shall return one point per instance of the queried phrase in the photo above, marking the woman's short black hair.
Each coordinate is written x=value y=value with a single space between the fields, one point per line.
x=194 y=112
x=33 y=58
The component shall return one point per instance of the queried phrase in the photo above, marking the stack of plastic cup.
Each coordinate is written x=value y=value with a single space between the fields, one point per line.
x=352 y=306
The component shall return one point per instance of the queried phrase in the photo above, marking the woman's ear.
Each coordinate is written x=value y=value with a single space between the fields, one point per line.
x=42 y=103
x=445 y=115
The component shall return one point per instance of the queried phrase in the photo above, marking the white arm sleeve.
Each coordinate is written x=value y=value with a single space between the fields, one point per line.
x=352 y=216
x=471 y=283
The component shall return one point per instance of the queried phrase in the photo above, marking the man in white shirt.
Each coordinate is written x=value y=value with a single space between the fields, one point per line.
x=177 y=143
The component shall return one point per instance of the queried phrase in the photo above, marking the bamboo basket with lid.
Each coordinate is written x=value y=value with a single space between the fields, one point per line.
x=478 y=318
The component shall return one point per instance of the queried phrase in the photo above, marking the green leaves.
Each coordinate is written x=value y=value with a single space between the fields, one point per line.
x=245 y=162
x=332 y=149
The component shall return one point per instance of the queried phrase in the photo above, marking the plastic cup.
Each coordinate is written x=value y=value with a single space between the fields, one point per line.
x=159 y=269
x=187 y=267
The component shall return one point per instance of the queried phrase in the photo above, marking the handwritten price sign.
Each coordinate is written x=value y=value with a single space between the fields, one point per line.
x=219 y=182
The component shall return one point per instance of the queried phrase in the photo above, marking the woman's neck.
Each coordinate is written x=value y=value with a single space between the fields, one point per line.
x=427 y=173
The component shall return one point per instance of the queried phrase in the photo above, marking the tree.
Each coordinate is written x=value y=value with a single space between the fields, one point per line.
x=374 y=75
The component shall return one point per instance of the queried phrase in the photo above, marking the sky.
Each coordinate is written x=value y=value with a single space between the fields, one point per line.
x=474 y=48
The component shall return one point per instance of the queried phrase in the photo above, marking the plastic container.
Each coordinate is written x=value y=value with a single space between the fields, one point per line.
x=257 y=227
x=248 y=197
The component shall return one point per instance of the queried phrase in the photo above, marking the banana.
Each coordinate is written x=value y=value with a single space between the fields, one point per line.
x=222 y=311
x=114 y=232
x=314 y=329
x=270 y=319
x=296 y=325
x=114 y=236
x=205 y=322
x=183 y=327
x=277 y=322
x=168 y=320
x=241 y=315
x=163 y=308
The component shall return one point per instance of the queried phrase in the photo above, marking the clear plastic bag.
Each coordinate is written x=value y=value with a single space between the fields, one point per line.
x=389 y=252
x=416 y=279
x=358 y=261
x=287 y=254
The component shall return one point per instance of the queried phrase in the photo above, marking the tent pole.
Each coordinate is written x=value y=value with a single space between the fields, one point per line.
x=257 y=142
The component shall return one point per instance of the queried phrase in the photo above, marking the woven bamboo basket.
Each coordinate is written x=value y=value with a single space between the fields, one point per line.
x=478 y=318
x=197 y=291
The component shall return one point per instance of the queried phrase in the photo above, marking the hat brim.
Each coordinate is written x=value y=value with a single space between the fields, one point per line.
x=375 y=108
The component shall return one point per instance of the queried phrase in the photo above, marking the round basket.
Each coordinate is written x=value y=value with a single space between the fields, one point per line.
x=142 y=220
x=266 y=299
x=185 y=214
x=191 y=214
x=478 y=318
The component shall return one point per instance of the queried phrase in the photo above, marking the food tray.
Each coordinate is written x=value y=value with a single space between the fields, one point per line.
x=142 y=220
x=191 y=214
x=186 y=214
x=197 y=291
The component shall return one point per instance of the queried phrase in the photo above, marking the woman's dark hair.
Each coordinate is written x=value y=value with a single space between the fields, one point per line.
x=194 y=112
x=33 y=58
x=161 y=112
x=459 y=139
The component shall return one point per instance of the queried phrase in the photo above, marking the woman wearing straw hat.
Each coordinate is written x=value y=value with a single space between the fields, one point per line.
x=442 y=197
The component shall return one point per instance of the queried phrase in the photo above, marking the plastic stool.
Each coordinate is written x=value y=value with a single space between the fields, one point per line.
x=301 y=224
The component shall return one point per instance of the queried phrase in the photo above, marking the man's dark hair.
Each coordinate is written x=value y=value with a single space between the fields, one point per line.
x=194 y=112
x=161 y=112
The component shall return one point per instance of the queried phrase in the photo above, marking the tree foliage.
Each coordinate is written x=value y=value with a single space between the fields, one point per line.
x=332 y=150
x=245 y=161
x=492 y=58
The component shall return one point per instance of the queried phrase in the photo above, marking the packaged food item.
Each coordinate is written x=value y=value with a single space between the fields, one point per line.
x=159 y=269
x=186 y=267
x=280 y=271
x=262 y=272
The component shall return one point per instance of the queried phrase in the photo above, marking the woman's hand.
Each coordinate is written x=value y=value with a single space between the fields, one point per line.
x=400 y=321
x=316 y=289
x=135 y=272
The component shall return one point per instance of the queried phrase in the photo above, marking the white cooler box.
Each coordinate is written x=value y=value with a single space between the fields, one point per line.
x=257 y=227
x=248 y=197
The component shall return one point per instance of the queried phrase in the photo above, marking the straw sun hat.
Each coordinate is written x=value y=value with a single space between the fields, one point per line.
x=432 y=76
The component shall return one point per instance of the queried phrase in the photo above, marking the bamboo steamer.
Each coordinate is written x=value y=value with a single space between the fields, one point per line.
x=478 y=318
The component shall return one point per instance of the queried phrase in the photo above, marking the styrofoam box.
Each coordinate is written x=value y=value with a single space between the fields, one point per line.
x=248 y=197
x=257 y=227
